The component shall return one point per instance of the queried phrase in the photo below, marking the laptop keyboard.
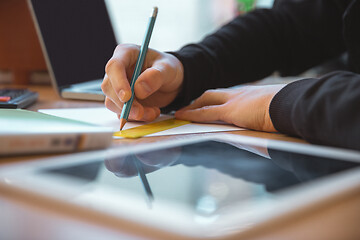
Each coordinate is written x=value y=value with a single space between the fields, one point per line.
x=17 y=98
x=96 y=89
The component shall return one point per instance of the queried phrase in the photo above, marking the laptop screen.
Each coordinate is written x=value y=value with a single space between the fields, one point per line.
x=78 y=38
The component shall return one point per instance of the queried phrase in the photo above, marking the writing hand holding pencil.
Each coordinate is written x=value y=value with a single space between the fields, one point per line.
x=155 y=87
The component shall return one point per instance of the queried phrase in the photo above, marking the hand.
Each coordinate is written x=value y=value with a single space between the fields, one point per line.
x=156 y=87
x=246 y=107
x=150 y=161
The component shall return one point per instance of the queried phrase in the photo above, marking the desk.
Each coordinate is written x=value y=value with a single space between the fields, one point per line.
x=337 y=219
x=49 y=99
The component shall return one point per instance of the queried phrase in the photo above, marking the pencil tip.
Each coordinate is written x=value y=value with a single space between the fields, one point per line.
x=154 y=12
x=122 y=123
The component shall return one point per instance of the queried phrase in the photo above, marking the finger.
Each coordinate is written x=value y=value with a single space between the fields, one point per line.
x=150 y=114
x=109 y=104
x=149 y=82
x=108 y=90
x=209 y=98
x=140 y=113
x=203 y=114
x=157 y=159
x=136 y=111
x=121 y=167
x=116 y=69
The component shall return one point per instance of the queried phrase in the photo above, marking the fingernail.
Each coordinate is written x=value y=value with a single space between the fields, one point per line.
x=146 y=87
x=122 y=95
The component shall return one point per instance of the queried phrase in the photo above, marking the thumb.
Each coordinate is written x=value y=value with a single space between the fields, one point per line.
x=148 y=82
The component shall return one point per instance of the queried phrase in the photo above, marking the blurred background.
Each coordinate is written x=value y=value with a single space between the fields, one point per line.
x=178 y=23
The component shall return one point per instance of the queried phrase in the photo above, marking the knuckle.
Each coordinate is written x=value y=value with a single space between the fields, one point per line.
x=108 y=103
x=205 y=109
x=104 y=86
x=228 y=110
x=155 y=73
x=197 y=101
x=126 y=46
x=210 y=92
x=117 y=89
x=123 y=47
x=152 y=77
x=113 y=63
x=126 y=50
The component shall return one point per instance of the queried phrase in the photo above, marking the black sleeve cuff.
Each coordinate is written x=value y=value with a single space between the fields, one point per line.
x=282 y=105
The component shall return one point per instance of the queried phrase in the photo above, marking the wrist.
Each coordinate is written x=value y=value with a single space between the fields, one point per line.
x=268 y=124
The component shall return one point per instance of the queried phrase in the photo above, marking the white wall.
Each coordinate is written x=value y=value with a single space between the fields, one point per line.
x=178 y=23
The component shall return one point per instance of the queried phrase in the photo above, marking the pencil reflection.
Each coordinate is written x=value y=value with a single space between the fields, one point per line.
x=130 y=166
x=142 y=164
x=144 y=181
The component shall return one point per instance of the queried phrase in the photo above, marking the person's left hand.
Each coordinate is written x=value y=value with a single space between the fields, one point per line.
x=246 y=107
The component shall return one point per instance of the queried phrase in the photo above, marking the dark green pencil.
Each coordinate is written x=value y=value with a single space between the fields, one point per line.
x=139 y=64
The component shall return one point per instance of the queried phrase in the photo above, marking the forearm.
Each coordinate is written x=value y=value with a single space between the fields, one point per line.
x=322 y=111
x=290 y=38
x=240 y=52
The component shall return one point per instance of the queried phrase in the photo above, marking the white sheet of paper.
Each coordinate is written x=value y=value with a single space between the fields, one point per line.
x=104 y=117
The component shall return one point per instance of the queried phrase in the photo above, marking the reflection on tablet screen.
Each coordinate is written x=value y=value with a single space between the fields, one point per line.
x=205 y=176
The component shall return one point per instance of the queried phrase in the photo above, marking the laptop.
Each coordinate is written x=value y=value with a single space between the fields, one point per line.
x=77 y=39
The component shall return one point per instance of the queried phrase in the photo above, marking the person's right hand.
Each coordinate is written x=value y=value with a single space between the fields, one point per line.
x=124 y=166
x=156 y=87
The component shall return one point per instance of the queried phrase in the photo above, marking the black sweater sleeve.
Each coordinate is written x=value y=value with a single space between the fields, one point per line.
x=322 y=111
x=289 y=38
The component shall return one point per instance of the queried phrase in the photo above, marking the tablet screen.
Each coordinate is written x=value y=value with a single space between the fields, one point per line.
x=215 y=171
x=199 y=182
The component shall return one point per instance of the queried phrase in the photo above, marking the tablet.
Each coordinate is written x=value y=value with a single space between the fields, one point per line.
x=190 y=188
